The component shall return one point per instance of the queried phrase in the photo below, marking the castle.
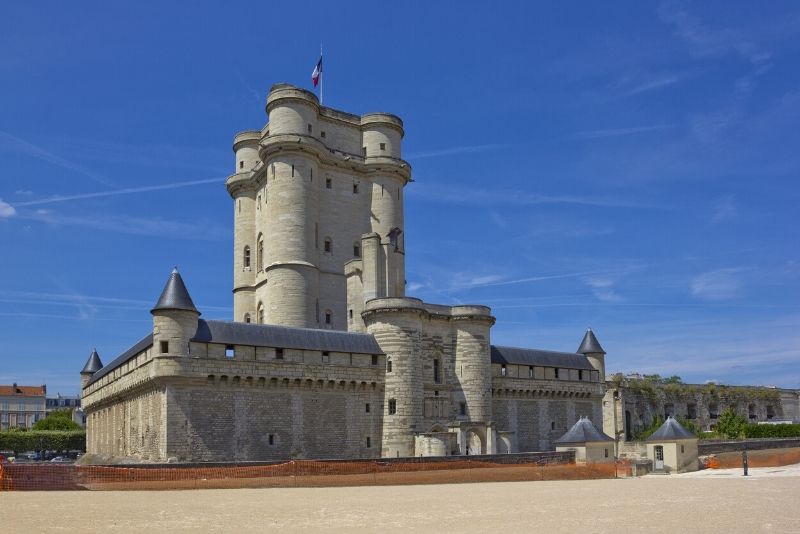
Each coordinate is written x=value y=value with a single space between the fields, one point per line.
x=327 y=357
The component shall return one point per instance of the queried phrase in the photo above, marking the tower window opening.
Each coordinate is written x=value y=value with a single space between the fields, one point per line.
x=364 y=151
x=355 y=189
x=316 y=235
x=258 y=203
x=239 y=206
x=326 y=357
x=357 y=250
x=392 y=406
x=328 y=245
x=164 y=347
x=241 y=164
x=503 y=370
x=247 y=318
x=556 y=372
x=367 y=408
x=229 y=351
x=328 y=317
x=462 y=408
x=278 y=354
x=260 y=313
x=311 y=174
x=369 y=442
x=246 y=259
x=309 y=128
x=350 y=313
x=292 y=171
x=383 y=146
x=322 y=134
x=260 y=253
x=272 y=439
x=552 y=425
x=530 y=372
x=437 y=372
x=316 y=310
x=328 y=183
x=374 y=359
x=389 y=366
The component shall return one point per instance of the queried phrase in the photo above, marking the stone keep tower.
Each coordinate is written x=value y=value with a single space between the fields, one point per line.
x=306 y=188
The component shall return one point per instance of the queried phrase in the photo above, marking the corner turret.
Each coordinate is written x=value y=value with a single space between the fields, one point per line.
x=93 y=364
x=591 y=348
x=174 y=318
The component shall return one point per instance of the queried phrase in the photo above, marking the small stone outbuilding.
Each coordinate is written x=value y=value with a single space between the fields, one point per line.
x=672 y=448
x=589 y=442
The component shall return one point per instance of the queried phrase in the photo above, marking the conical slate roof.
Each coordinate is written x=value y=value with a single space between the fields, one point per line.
x=93 y=364
x=175 y=295
x=590 y=344
x=583 y=431
x=671 y=429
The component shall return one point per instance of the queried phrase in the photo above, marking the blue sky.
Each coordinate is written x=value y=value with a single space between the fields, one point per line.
x=629 y=166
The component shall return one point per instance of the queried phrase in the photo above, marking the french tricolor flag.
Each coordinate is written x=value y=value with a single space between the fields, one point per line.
x=317 y=72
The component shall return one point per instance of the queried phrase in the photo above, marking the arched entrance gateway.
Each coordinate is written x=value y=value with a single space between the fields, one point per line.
x=476 y=442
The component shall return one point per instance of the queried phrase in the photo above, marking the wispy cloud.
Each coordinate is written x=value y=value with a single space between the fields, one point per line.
x=498 y=281
x=614 y=132
x=602 y=287
x=468 y=149
x=724 y=209
x=6 y=210
x=257 y=97
x=13 y=142
x=150 y=226
x=506 y=198
x=721 y=284
x=651 y=84
x=116 y=192
x=67 y=298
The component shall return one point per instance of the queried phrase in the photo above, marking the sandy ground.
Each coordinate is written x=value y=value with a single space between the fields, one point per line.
x=709 y=501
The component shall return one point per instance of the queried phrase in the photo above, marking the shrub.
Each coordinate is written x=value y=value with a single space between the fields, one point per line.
x=730 y=424
x=42 y=440
x=57 y=420
x=772 y=431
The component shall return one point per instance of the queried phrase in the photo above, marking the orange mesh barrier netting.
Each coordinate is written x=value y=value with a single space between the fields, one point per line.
x=17 y=477
x=762 y=458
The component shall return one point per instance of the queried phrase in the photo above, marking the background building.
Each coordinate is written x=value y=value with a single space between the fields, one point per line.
x=21 y=406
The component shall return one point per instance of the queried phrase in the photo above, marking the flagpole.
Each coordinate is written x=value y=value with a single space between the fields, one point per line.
x=320 y=74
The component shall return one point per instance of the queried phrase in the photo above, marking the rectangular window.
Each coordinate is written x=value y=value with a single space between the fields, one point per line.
x=389 y=366
x=164 y=347
x=437 y=372
x=392 y=406
x=364 y=151
x=530 y=372
x=272 y=439
x=552 y=425
x=383 y=146
x=292 y=171
x=369 y=443
x=229 y=351
x=241 y=164
x=607 y=451
x=367 y=410
x=278 y=354
x=309 y=128
x=326 y=357
x=328 y=318
x=322 y=134
x=462 y=408
x=503 y=370
x=355 y=189
x=328 y=183
x=556 y=372
x=681 y=450
x=374 y=359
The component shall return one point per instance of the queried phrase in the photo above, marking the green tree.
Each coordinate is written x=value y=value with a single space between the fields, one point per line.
x=57 y=420
x=730 y=424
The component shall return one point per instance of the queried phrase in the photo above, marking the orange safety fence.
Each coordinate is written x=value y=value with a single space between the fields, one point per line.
x=760 y=458
x=300 y=473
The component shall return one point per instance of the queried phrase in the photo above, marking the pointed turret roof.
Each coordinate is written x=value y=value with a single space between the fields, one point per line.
x=590 y=345
x=671 y=429
x=175 y=295
x=583 y=431
x=93 y=364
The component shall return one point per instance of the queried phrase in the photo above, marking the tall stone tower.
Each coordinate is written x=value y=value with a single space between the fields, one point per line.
x=306 y=188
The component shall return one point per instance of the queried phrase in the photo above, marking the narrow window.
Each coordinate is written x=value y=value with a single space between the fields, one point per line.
x=350 y=313
x=316 y=235
x=369 y=443
x=309 y=128
x=246 y=257
x=392 y=406
x=326 y=357
x=607 y=451
x=367 y=408
x=292 y=171
x=383 y=146
x=260 y=253
x=322 y=134
x=311 y=173
x=272 y=439
x=552 y=425
x=389 y=366
x=328 y=317
x=164 y=347
x=328 y=247
x=530 y=372
x=374 y=359
x=503 y=370
x=316 y=310
x=260 y=313
x=364 y=151
x=355 y=189
x=357 y=250
x=437 y=372
x=239 y=205
x=229 y=351
x=258 y=203
x=247 y=318
x=328 y=183
x=462 y=408
x=556 y=372
x=241 y=164
x=278 y=354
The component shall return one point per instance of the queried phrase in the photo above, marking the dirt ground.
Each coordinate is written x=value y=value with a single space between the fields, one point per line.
x=676 y=503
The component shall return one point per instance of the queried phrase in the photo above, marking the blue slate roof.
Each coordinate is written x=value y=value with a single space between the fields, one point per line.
x=93 y=364
x=671 y=429
x=143 y=344
x=583 y=431
x=175 y=295
x=590 y=345
x=538 y=357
